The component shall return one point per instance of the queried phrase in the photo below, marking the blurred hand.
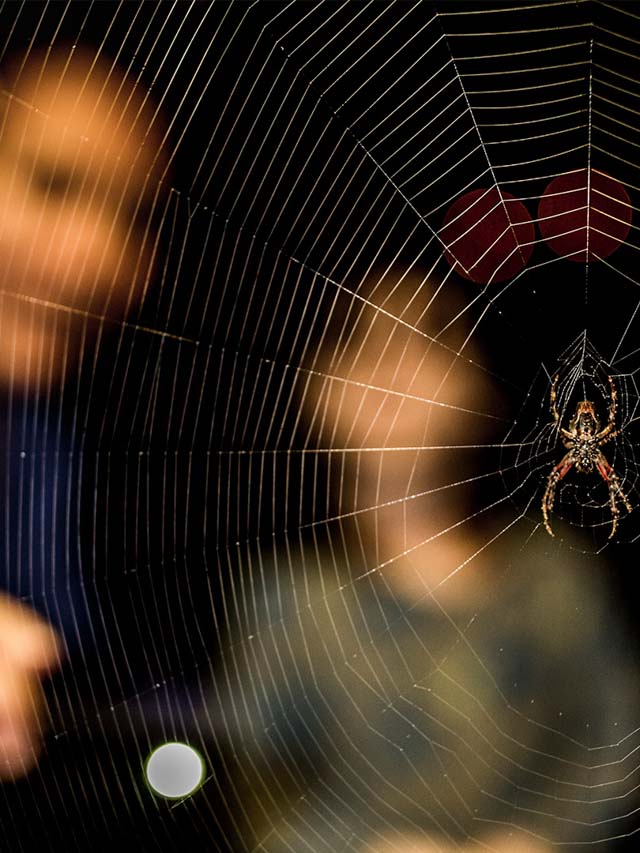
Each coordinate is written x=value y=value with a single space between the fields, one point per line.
x=29 y=650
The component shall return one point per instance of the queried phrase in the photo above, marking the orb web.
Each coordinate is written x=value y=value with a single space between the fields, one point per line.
x=282 y=499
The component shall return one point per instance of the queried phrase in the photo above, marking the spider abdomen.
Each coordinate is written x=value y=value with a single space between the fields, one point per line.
x=584 y=454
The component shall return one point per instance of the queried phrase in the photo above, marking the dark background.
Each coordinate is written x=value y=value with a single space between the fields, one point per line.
x=286 y=179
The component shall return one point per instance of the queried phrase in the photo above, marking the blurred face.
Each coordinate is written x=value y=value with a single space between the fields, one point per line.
x=400 y=383
x=414 y=406
x=79 y=166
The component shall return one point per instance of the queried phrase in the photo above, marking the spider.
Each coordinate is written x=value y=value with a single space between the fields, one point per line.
x=583 y=440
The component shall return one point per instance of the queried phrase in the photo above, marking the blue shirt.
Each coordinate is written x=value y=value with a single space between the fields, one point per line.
x=40 y=524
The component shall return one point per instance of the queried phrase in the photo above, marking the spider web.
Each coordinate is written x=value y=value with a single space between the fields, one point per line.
x=360 y=254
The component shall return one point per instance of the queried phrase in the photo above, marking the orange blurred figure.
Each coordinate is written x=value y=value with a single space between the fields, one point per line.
x=80 y=168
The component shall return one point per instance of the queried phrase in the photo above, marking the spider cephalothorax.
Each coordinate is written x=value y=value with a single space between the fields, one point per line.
x=583 y=440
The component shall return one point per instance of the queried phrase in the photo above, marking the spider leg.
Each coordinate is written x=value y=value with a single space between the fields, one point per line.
x=608 y=432
x=552 y=400
x=608 y=436
x=565 y=433
x=613 y=403
x=615 y=490
x=557 y=473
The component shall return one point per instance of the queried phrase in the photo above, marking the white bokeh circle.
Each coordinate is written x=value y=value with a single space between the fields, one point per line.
x=174 y=770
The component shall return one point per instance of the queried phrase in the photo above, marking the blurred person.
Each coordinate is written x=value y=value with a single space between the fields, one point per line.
x=81 y=163
x=433 y=677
